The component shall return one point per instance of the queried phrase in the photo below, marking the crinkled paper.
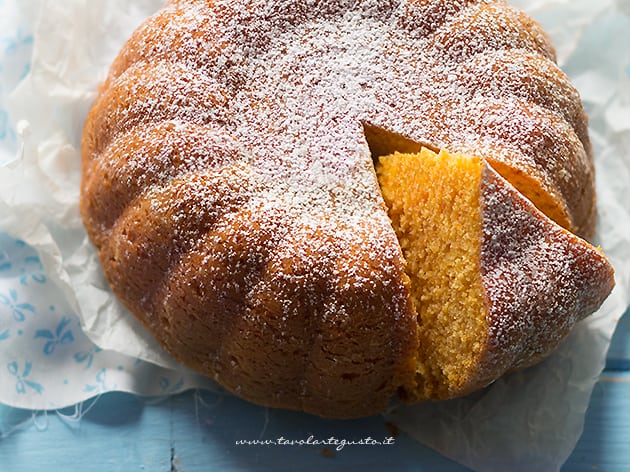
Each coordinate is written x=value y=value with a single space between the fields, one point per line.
x=63 y=336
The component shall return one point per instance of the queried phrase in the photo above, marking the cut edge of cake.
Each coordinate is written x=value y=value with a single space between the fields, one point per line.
x=496 y=284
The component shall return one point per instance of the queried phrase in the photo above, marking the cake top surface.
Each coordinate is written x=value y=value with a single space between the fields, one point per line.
x=294 y=83
x=290 y=86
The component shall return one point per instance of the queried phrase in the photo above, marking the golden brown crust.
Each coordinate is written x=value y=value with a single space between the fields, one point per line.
x=539 y=281
x=229 y=187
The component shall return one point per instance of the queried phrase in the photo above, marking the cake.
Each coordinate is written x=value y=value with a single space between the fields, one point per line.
x=480 y=257
x=248 y=180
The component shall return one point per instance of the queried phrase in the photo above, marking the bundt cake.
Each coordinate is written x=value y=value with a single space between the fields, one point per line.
x=325 y=204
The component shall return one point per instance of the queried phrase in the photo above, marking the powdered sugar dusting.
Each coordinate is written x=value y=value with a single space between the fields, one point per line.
x=293 y=81
x=308 y=262
x=540 y=279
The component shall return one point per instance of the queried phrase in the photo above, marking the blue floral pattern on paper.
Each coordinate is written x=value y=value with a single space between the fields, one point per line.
x=16 y=43
x=61 y=335
x=57 y=360
x=101 y=383
x=34 y=274
x=13 y=43
x=86 y=356
x=5 y=261
x=22 y=383
x=18 y=310
x=61 y=362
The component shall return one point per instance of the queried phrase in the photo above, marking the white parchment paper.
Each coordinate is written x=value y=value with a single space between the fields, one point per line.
x=524 y=421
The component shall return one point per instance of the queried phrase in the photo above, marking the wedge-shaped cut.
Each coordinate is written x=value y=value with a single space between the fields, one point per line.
x=496 y=284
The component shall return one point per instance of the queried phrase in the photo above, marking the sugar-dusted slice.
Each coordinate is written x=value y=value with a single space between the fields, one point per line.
x=496 y=284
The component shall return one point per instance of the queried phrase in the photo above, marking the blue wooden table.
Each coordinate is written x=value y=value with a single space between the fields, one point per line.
x=195 y=431
x=200 y=431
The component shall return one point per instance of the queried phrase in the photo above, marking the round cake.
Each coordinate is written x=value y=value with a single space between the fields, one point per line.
x=326 y=204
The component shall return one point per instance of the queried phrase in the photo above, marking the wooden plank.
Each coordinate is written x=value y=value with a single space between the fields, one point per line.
x=191 y=432
x=198 y=432
x=619 y=353
x=206 y=431
x=120 y=433
x=605 y=444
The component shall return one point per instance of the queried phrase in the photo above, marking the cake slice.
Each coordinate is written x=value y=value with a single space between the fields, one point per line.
x=496 y=284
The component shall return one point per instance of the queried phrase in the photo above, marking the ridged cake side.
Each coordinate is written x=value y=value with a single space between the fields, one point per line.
x=229 y=185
